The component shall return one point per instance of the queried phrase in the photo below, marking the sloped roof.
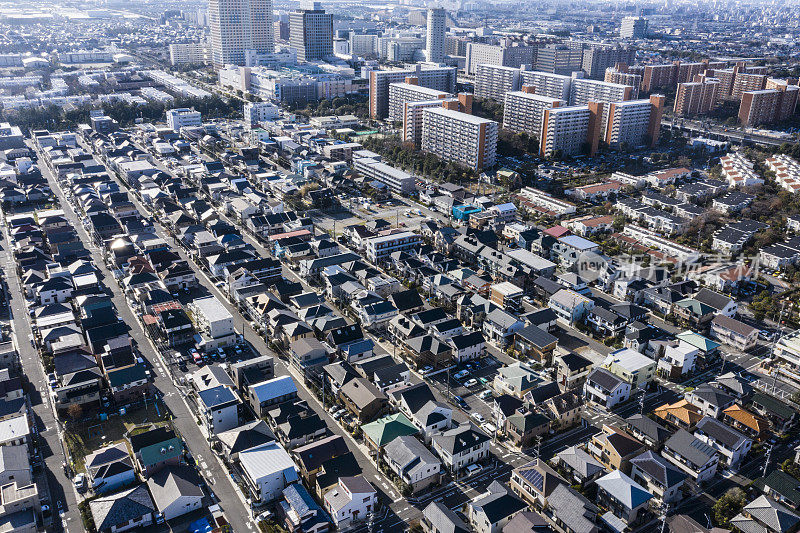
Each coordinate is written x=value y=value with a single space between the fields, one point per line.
x=119 y=508
x=386 y=429
x=624 y=489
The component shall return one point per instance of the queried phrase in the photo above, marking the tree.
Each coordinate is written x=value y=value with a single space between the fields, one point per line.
x=791 y=468
x=75 y=412
x=728 y=506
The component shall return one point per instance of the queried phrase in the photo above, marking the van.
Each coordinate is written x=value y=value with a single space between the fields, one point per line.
x=471 y=469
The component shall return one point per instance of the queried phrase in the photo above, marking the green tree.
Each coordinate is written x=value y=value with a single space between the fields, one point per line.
x=729 y=505
x=791 y=468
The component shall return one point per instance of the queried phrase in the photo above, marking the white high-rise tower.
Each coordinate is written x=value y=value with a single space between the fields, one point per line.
x=240 y=28
x=437 y=27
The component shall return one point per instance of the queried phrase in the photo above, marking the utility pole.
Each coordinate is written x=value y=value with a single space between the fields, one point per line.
x=772 y=350
x=664 y=511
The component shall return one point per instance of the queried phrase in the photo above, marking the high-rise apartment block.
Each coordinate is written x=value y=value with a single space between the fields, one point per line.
x=768 y=106
x=436 y=30
x=633 y=28
x=565 y=130
x=619 y=74
x=597 y=58
x=459 y=137
x=634 y=123
x=409 y=91
x=670 y=74
x=311 y=32
x=745 y=82
x=524 y=111
x=493 y=54
x=413 y=118
x=494 y=81
x=696 y=97
x=738 y=79
x=585 y=91
x=240 y=28
x=439 y=78
x=547 y=84
x=188 y=53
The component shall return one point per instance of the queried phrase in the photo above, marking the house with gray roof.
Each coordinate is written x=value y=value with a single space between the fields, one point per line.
x=176 y=491
x=658 y=476
x=461 y=446
x=731 y=445
x=764 y=515
x=647 y=430
x=413 y=463
x=569 y=510
x=580 y=464
x=491 y=511
x=128 y=509
x=438 y=518
x=691 y=455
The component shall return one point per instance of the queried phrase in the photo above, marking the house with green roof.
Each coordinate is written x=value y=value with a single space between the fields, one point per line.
x=694 y=312
x=156 y=448
x=384 y=430
x=780 y=415
x=128 y=384
x=704 y=344
x=781 y=487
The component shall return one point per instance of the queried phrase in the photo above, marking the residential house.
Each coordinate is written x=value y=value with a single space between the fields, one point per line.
x=604 y=388
x=413 y=463
x=733 y=332
x=534 y=482
x=572 y=370
x=266 y=471
x=438 y=518
x=658 y=476
x=129 y=509
x=765 y=515
x=691 y=455
x=634 y=368
x=492 y=510
x=461 y=446
x=731 y=445
x=176 y=491
x=710 y=400
x=352 y=501
x=614 y=448
x=582 y=467
x=623 y=497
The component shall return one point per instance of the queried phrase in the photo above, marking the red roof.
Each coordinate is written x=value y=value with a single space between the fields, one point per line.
x=557 y=231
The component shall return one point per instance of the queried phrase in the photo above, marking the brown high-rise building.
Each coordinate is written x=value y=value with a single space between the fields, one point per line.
x=768 y=106
x=696 y=98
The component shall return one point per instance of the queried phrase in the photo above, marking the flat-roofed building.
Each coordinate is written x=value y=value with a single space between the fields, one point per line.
x=524 y=111
x=460 y=137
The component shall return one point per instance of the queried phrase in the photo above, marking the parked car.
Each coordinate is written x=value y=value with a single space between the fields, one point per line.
x=478 y=418
x=470 y=383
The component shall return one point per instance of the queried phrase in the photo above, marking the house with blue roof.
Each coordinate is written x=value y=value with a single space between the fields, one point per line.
x=219 y=408
x=622 y=496
x=300 y=513
x=262 y=396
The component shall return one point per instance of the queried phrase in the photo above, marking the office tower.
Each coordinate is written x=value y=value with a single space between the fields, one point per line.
x=409 y=91
x=546 y=84
x=493 y=54
x=311 y=32
x=597 y=58
x=696 y=98
x=634 y=123
x=565 y=130
x=619 y=74
x=437 y=27
x=768 y=106
x=240 y=28
x=413 y=119
x=585 y=91
x=524 y=111
x=633 y=28
x=440 y=78
x=559 y=59
x=459 y=137
x=494 y=81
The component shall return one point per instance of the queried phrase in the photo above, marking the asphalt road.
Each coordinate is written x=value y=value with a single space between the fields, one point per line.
x=60 y=486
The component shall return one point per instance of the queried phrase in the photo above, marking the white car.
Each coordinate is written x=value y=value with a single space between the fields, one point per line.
x=470 y=383
x=489 y=428
x=478 y=418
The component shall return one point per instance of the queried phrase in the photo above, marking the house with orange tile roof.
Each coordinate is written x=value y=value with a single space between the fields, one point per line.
x=748 y=423
x=680 y=414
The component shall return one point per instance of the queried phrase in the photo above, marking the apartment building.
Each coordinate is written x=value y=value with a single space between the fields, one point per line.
x=768 y=106
x=547 y=84
x=435 y=35
x=565 y=130
x=460 y=137
x=494 y=81
x=697 y=97
x=738 y=171
x=744 y=82
x=439 y=78
x=540 y=200
x=524 y=111
x=492 y=54
x=410 y=91
x=635 y=122
x=597 y=58
x=619 y=75
x=183 y=117
x=787 y=171
x=585 y=90
x=398 y=181
x=188 y=53
x=260 y=112
x=633 y=28
x=379 y=248
x=238 y=29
